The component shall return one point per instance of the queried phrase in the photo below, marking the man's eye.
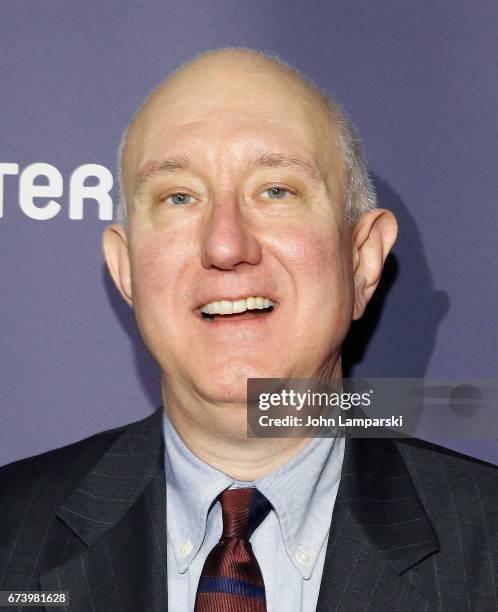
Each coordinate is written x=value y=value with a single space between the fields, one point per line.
x=276 y=193
x=179 y=198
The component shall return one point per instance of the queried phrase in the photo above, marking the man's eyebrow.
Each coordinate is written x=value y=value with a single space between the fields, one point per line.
x=168 y=165
x=280 y=160
x=263 y=158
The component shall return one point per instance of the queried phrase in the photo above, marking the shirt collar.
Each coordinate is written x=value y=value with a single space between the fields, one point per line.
x=191 y=485
x=302 y=493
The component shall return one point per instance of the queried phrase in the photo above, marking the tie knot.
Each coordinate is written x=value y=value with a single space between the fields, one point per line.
x=243 y=511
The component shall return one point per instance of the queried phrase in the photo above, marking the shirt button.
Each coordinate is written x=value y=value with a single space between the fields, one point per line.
x=185 y=548
x=301 y=556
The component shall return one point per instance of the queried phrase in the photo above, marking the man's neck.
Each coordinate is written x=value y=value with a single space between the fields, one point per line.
x=216 y=433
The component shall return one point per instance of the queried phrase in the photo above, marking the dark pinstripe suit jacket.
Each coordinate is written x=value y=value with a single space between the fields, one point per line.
x=414 y=527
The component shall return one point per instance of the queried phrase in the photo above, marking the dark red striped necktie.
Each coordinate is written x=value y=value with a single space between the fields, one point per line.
x=231 y=579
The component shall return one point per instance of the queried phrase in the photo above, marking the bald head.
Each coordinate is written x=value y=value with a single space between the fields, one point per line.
x=240 y=78
x=243 y=84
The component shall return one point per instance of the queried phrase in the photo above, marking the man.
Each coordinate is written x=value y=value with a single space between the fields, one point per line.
x=249 y=241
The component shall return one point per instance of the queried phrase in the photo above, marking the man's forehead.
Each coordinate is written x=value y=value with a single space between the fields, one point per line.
x=232 y=89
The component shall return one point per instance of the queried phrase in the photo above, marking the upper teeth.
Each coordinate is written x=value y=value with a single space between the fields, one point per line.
x=223 y=307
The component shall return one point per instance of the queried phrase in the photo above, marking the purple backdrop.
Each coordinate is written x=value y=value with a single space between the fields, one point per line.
x=421 y=83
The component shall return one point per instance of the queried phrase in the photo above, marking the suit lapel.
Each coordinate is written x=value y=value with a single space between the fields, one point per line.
x=379 y=531
x=118 y=513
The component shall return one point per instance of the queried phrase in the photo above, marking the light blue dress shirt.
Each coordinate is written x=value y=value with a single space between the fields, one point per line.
x=291 y=542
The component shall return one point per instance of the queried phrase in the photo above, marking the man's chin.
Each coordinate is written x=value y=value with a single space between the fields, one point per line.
x=217 y=392
x=229 y=384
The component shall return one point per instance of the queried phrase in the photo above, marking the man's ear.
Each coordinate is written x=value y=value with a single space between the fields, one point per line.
x=373 y=237
x=117 y=256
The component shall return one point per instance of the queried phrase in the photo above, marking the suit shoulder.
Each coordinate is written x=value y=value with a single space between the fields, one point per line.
x=54 y=469
x=439 y=468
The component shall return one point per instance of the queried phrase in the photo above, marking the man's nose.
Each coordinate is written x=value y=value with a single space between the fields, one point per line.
x=227 y=239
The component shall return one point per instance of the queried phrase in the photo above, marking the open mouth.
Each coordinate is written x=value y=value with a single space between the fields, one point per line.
x=245 y=308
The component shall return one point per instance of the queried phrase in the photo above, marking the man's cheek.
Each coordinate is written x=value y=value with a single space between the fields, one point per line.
x=311 y=251
x=155 y=263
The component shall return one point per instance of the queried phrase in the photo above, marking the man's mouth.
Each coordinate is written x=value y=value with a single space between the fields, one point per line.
x=242 y=308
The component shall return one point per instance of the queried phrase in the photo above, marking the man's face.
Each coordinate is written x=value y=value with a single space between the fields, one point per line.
x=235 y=193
